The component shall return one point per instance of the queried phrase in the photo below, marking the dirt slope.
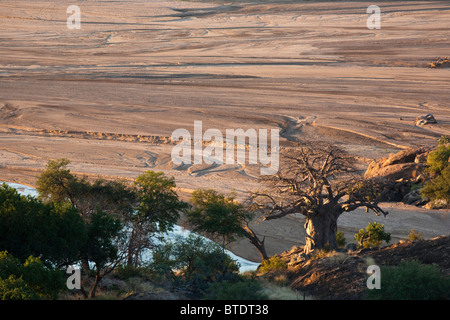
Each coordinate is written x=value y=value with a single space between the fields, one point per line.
x=343 y=276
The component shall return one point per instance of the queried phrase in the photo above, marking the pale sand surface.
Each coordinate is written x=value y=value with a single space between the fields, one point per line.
x=140 y=69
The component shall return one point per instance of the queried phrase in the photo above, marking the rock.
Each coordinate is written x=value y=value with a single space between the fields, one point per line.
x=413 y=198
x=401 y=165
x=398 y=171
x=405 y=156
x=425 y=119
x=421 y=158
x=351 y=247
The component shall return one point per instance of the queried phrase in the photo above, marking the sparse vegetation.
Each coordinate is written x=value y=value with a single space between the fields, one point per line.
x=340 y=239
x=244 y=289
x=272 y=264
x=222 y=218
x=411 y=280
x=372 y=236
x=414 y=235
x=319 y=181
x=437 y=188
x=30 y=280
x=108 y=224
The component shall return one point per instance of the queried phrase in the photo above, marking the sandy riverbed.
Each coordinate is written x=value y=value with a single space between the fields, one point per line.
x=109 y=95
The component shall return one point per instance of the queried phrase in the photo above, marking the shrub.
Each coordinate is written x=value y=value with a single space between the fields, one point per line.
x=274 y=263
x=438 y=188
x=373 y=236
x=13 y=288
x=28 y=281
x=340 y=239
x=193 y=262
x=438 y=159
x=29 y=227
x=411 y=280
x=414 y=235
x=246 y=289
x=126 y=271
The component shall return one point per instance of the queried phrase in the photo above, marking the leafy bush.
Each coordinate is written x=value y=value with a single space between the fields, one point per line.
x=245 y=289
x=372 y=236
x=13 y=288
x=28 y=281
x=438 y=187
x=274 y=263
x=414 y=235
x=437 y=160
x=340 y=239
x=193 y=262
x=30 y=227
x=411 y=280
x=443 y=140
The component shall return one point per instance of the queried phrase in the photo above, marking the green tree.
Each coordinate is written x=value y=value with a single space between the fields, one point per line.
x=372 y=236
x=242 y=289
x=13 y=288
x=29 y=227
x=56 y=184
x=30 y=280
x=437 y=160
x=222 y=218
x=437 y=187
x=150 y=205
x=157 y=212
x=193 y=262
x=340 y=239
x=101 y=248
x=319 y=181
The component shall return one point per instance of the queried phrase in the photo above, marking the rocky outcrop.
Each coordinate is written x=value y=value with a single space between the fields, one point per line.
x=425 y=119
x=401 y=172
x=406 y=165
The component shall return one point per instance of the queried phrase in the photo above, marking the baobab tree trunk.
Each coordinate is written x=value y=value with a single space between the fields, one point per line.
x=321 y=229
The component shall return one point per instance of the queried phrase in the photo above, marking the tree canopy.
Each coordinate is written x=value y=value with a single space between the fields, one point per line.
x=319 y=181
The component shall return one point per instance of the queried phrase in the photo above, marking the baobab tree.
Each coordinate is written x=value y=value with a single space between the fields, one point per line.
x=319 y=181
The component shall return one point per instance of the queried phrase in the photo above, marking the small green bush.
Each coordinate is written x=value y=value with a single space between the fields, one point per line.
x=246 y=289
x=414 y=235
x=13 y=288
x=193 y=262
x=437 y=188
x=340 y=239
x=373 y=236
x=126 y=272
x=411 y=280
x=274 y=263
x=28 y=281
